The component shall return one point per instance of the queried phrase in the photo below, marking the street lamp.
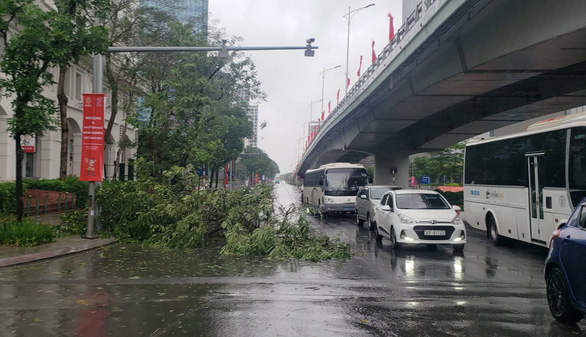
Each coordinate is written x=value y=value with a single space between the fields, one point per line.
x=348 y=17
x=323 y=79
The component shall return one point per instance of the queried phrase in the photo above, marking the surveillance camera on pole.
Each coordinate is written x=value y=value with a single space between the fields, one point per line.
x=309 y=49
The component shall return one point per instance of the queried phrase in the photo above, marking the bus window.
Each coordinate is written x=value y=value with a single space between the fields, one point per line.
x=577 y=168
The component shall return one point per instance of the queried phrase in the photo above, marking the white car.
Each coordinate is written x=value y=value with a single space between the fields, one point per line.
x=367 y=199
x=419 y=217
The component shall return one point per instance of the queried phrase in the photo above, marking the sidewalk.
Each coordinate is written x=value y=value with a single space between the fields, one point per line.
x=62 y=246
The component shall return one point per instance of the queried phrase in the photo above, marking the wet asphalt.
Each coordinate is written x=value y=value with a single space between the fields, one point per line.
x=127 y=290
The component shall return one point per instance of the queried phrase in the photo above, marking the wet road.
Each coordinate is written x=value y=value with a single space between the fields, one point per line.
x=134 y=291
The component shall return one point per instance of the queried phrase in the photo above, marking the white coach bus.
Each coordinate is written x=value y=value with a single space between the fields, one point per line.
x=523 y=186
x=333 y=187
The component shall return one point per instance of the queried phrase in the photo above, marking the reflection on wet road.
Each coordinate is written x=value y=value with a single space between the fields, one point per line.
x=134 y=291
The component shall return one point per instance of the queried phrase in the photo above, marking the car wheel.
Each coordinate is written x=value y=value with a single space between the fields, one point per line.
x=458 y=248
x=493 y=232
x=558 y=298
x=394 y=242
x=359 y=221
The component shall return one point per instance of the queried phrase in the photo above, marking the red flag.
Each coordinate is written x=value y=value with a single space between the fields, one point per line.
x=391 y=29
x=359 y=66
x=319 y=123
x=347 y=82
x=314 y=129
x=323 y=114
x=329 y=107
x=338 y=97
x=373 y=53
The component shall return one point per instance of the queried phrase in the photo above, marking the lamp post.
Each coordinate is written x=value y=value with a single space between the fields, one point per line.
x=323 y=80
x=348 y=17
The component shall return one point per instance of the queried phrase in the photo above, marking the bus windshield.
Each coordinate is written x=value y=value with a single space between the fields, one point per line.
x=344 y=181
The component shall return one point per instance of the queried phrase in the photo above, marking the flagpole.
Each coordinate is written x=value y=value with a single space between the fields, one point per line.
x=349 y=18
x=323 y=80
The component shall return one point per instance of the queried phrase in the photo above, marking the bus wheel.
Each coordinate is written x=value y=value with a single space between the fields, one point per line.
x=493 y=232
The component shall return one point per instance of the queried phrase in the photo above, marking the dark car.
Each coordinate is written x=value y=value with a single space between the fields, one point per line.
x=565 y=271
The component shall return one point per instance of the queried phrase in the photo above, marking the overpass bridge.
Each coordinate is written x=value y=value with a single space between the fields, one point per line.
x=456 y=69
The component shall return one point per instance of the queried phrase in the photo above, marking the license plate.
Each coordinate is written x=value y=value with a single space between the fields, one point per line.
x=434 y=233
x=348 y=208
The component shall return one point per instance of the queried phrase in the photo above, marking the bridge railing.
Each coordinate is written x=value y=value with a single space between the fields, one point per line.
x=367 y=76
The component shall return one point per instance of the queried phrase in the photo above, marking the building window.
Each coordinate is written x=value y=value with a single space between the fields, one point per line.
x=29 y=166
x=78 y=86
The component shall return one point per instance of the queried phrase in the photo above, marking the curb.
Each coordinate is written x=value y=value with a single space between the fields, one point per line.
x=14 y=260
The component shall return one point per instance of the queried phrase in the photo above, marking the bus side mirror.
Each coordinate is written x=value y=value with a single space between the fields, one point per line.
x=321 y=181
x=363 y=197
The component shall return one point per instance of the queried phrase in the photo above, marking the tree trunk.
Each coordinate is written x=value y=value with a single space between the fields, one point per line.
x=19 y=158
x=211 y=178
x=217 y=174
x=113 y=84
x=63 y=100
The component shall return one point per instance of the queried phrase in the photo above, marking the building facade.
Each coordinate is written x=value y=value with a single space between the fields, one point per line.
x=243 y=96
x=186 y=11
x=44 y=162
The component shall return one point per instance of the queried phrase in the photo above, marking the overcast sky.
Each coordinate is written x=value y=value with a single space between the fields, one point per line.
x=291 y=80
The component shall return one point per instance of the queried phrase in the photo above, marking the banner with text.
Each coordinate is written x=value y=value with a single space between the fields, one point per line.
x=92 y=144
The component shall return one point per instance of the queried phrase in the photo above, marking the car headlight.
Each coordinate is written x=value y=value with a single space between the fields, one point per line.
x=457 y=220
x=406 y=219
x=328 y=200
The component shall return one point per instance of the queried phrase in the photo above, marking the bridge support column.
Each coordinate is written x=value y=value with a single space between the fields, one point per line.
x=383 y=167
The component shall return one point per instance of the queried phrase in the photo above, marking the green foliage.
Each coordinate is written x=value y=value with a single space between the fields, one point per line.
x=190 y=115
x=74 y=222
x=454 y=198
x=7 y=195
x=285 y=238
x=70 y=184
x=25 y=234
x=176 y=213
x=448 y=163
x=257 y=161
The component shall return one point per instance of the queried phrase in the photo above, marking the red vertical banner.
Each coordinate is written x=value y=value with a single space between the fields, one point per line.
x=92 y=143
x=373 y=53
x=338 y=97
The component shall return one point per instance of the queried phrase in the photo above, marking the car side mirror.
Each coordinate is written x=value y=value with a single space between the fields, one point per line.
x=456 y=208
x=386 y=208
x=363 y=197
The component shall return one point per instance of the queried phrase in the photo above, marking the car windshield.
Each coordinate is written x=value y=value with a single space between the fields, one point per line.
x=377 y=193
x=421 y=201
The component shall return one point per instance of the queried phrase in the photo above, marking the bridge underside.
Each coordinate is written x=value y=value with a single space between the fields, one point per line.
x=489 y=64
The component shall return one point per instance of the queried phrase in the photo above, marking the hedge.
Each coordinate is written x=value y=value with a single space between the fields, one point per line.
x=71 y=185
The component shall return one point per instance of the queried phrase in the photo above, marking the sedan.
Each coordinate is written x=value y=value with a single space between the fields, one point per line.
x=564 y=268
x=367 y=199
x=419 y=217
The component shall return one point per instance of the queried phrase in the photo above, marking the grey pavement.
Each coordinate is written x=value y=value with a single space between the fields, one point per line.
x=62 y=246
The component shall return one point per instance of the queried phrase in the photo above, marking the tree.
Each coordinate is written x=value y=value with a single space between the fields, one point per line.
x=191 y=115
x=257 y=161
x=77 y=33
x=28 y=54
x=447 y=163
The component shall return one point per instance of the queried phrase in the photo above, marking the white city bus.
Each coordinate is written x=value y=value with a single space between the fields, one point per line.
x=333 y=187
x=523 y=186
